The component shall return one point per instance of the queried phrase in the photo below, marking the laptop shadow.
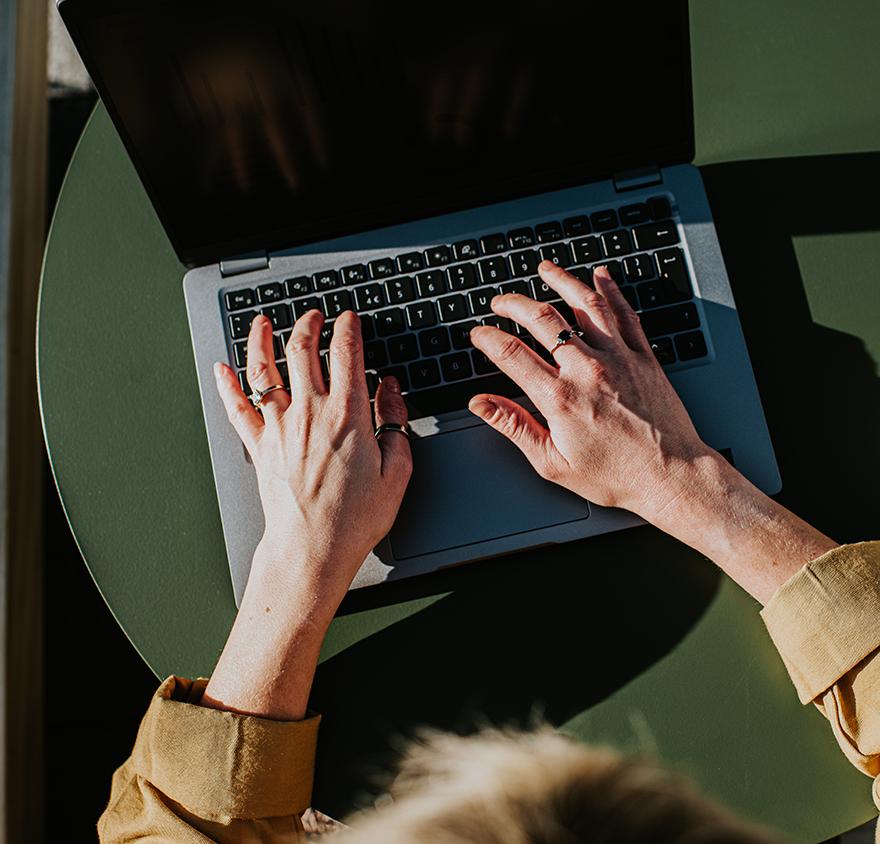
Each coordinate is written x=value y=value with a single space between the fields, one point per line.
x=555 y=630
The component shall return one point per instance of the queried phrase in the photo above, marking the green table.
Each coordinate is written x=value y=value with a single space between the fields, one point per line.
x=629 y=639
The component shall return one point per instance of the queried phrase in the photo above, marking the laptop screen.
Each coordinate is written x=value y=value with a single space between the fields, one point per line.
x=267 y=123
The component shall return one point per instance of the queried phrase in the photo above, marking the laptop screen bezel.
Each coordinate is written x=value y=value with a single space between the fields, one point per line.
x=74 y=12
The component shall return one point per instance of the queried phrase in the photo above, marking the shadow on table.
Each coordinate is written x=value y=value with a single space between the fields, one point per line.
x=556 y=630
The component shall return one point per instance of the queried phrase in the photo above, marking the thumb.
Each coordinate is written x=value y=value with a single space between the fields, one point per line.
x=518 y=425
x=391 y=409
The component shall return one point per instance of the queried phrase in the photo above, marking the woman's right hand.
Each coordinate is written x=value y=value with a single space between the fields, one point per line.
x=617 y=433
x=616 y=430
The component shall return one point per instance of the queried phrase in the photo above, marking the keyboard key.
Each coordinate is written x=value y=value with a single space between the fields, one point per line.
x=617 y=243
x=239 y=353
x=499 y=322
x=389 y=322
x=521 y=287
x=493 y=243
x=326 y=335
x=432 y=283
x=284 y=337
x=355 y=274
x=375 y=355
x=632 y=215
x=659 y=207
x=548 y=232
x=282 y=371
x=586 y=250
x=584 y=274
x=523 y=263
x=400 y=290
x=603 y=221
x=279 y=316
x=326 y=280
x=462 y=277
x=372 y=384
x=656 y=235
x=369 y=297
x=565 y=311
x=238 y=299
x=615 y=271
x=461 y=334
x=493 y=270
x=670 y=320
x=299 y=286
x=381 y=268
x=301 y=306
x=325 y=366
x=268 y=293
x=438 y=255
x=245 y=387
x=558 y=253
x=480 y=301
x=434 y=341
x=279 y=347
x=465 y=250
x=520 y=238
x=398 y=372
x=421 y=315
x=410 y=262
x=639 y=268
x=456 y=366
x=576 y=226
x=452 y=308
x=368 y=328
x=691 y=345
x=671 y=266
x=482 y=364
x=424 y=373
x=337 y=302
x=651 y=295
x=629 y=293
x=663 y=350
x=541 y=292
x=403 y=348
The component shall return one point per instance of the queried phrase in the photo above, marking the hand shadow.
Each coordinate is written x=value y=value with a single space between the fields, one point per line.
x=556 y=629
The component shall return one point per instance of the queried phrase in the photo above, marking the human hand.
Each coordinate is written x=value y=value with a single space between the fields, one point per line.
x=330 y=490
x=616 y=430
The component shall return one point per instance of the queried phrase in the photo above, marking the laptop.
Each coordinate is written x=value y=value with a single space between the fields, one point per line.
x=409 y=161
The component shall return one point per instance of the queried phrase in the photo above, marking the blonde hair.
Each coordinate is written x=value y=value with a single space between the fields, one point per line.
x=539 y=787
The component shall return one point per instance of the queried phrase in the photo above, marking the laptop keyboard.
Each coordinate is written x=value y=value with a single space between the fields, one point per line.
x=417 y=308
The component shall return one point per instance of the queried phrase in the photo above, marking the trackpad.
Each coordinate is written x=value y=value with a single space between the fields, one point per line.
x=472 y=485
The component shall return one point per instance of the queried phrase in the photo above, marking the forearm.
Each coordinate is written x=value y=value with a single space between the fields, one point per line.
x=269 y=660
x=756 y=541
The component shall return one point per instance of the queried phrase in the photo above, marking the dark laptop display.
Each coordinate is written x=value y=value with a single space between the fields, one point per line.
x=267 y=124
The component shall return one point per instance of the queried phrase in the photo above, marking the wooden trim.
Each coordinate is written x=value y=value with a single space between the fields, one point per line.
x=22 y=548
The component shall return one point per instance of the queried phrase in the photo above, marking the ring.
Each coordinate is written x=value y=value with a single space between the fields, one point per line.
x=392 y=426
x=565 y=335
x=257 y=396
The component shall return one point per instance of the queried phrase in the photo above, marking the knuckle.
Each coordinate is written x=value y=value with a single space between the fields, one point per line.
x=546 y=313
x=347 y=345
x=301 y=342
x=257 y=370
x=508 y=348
x=564 y=395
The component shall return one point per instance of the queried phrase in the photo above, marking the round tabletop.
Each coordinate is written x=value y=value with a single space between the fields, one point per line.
x=628 y=639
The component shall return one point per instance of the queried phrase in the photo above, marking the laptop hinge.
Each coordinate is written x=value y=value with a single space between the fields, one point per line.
x=632 y=179
x=245 y=264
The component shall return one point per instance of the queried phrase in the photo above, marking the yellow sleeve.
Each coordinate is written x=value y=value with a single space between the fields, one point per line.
x=825 y=622
x=198 y=774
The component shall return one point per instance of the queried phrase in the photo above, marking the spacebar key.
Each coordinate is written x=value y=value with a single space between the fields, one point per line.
x=670 y=320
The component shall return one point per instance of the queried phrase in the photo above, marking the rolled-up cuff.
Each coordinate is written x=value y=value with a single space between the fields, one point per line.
x=221 y=765
x=826 y=619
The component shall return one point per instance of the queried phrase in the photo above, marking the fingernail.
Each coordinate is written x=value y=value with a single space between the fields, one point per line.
x=482 y=408
x=218 y=370
x=603 y=271
x=391 y=383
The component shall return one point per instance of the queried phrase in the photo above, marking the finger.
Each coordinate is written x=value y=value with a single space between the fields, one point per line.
x=516 y=360
x=391 y=409
x=628 y=323
x=347 y=359
x=242 y=414
x=541 y=319
x=261 y=370
x=519 y=426
x=590 y=308
x=303 y=361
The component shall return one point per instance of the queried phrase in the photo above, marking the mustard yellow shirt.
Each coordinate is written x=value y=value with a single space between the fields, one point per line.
x=198 y=774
